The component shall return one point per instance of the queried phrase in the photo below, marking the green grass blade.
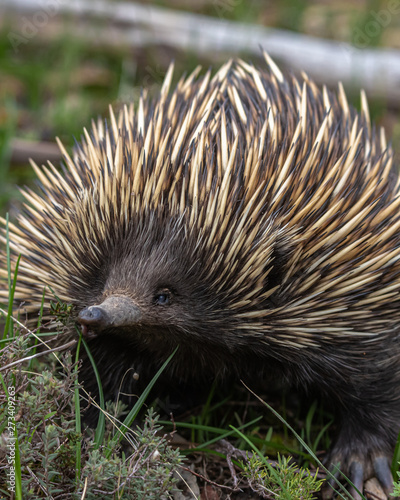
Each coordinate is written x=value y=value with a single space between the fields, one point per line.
x=101 y=423
x=39 y=324
x=18 y=475
x=271 y=469
x=9 y=328
x=78 y=426
x=17 y=457
x=309 y=419
x=396 y=457
x=124 y=428
x=8 y=252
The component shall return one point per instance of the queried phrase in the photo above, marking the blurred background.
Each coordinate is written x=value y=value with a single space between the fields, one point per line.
x=63 y=61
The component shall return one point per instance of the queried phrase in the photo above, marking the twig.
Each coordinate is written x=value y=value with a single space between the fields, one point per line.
x=28 y=358
x=200 y=476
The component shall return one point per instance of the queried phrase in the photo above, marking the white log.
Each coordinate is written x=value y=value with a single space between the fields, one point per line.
x=375 y=70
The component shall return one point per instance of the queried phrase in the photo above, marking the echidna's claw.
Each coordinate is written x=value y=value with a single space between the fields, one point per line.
x=356 y=471
x=384 y=474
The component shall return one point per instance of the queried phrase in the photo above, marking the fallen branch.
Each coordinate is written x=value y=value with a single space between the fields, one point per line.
x=40 y=152
x=376 y=70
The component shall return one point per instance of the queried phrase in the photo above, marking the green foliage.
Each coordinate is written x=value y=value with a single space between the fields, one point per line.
x=45 y=417
x=146 y=473
x=396 y=489
x=285 y=481
x=61 y=311
x=396 y=457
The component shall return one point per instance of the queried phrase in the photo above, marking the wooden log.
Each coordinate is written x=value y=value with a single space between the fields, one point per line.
x=375 y=70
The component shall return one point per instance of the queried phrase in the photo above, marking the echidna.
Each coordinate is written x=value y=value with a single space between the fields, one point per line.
x=250 y=218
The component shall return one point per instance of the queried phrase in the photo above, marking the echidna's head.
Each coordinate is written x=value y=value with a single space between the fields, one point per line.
x=151 y=288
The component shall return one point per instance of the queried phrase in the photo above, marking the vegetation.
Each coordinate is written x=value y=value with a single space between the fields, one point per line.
x=54 y=457
x=286 y=481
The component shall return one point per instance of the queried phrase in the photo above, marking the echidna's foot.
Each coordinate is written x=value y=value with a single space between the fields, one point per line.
x=358 y=469
x=384 y=474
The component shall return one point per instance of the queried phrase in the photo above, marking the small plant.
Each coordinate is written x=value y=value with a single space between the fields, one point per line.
x=44 y=426
x=284 y=482
x=396 y=489
x=61 y=311
x=147 y=473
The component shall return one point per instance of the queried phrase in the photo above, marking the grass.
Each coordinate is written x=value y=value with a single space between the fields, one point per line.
x=48 y=454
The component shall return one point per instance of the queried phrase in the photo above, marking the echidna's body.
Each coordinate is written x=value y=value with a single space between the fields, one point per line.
x=251 y=219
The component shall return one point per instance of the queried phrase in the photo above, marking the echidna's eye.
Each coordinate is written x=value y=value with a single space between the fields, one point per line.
x=162 y=298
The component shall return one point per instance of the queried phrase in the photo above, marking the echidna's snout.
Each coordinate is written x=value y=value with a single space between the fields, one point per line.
x=116 y=311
